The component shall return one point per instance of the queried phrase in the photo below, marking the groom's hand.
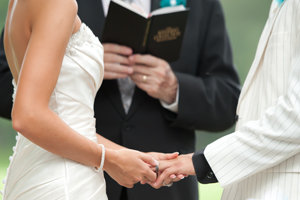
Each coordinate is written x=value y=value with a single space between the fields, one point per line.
x=128 y=167
x=163 y=156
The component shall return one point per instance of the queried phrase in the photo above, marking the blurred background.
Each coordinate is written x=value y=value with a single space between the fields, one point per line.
x=245 y=21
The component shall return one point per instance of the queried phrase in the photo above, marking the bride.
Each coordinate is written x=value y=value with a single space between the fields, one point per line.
x=57 y=66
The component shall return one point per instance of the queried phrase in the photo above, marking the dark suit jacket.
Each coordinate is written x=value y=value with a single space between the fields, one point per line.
x=208 y=94
x=6 y=88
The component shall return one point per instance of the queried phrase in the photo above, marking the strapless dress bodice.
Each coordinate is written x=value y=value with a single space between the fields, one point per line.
x=79 y=80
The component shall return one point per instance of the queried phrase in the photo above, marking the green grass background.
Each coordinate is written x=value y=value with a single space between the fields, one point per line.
x=245 y=21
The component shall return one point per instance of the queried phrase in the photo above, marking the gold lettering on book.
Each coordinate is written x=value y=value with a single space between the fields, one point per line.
x=167 y=34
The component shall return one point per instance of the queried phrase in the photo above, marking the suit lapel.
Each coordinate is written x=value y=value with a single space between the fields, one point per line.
x=264 y=39
x=101 y=17
x=112 y=91
x=137 y=99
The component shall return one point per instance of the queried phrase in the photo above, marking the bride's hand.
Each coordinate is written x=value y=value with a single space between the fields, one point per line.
x=174 y=170
x=128 y=167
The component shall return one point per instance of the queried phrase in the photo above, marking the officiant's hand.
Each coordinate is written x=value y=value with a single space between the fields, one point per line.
x=182 y=165
x=154 y=76
x=116 y=61
x=128 y=167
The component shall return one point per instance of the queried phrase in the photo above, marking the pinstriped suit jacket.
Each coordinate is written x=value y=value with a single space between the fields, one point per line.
x=264 y=151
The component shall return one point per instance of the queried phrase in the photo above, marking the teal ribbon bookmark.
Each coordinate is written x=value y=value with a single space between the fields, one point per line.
x=166 y=3
x=280 y=1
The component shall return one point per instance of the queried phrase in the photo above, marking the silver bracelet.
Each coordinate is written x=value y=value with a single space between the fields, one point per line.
x=102 y=159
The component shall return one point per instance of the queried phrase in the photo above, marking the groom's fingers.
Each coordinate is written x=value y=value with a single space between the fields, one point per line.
x=168 y=156
x=164 y=156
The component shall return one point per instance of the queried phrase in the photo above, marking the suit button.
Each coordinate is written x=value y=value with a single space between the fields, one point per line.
x=127 y=127
x=210 y=175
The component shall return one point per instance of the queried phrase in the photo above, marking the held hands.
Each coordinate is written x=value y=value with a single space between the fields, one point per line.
x=174 y=170
x=151 y=74
x=128 y=167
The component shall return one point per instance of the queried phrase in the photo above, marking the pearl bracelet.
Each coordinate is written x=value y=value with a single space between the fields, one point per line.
x=102 y=159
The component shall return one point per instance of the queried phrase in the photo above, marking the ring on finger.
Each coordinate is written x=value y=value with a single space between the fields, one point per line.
x=144 y=78
x=157 y=169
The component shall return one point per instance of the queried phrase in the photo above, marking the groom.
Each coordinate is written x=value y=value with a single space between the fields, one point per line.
x=261 y=159
x=204 y=92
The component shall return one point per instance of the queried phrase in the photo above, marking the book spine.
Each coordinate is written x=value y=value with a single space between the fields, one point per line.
x=145 y=39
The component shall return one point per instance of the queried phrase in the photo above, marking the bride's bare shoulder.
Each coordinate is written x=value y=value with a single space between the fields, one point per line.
x=54 y=8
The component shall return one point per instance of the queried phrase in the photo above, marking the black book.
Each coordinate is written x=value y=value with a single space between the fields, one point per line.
x=159 y=33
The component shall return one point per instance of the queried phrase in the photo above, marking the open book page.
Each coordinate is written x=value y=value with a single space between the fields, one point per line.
x=134 y=8
x=166 y=10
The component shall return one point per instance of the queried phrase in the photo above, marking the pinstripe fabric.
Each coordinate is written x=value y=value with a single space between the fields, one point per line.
x=261 y=160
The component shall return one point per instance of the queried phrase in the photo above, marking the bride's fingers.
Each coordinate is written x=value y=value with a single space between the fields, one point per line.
x=148 y=175
x=176 y=178
x=181 y=176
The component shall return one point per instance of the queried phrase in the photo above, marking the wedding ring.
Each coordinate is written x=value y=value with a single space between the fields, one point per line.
x=157 y=169
x=144 y=78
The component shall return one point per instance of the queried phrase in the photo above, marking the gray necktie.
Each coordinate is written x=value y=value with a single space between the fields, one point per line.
x=126 y=86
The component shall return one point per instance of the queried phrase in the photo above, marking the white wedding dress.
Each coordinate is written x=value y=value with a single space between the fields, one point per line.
x=36 y=174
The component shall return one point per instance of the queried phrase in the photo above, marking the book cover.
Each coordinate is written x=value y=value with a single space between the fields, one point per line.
x=160 y=33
